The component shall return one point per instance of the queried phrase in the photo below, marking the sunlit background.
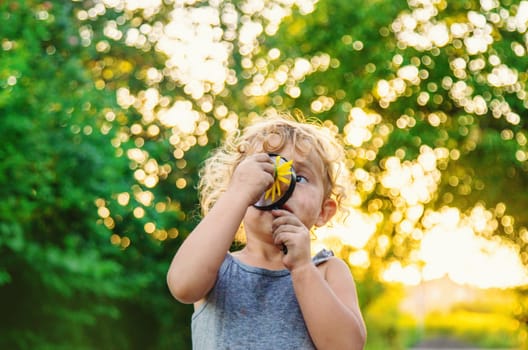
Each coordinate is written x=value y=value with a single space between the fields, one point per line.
x=449 y=242
x=430 y=99
x=196 y=41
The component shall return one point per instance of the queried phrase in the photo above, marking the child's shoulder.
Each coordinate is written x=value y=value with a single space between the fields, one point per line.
x=322 y=256
x=330 y=265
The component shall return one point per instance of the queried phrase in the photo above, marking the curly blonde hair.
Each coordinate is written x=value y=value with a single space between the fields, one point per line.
x=305 y=135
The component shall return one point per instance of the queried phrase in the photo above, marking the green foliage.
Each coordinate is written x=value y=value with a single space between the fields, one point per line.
x=85 y=240
x=388 y=327
x=62 y=284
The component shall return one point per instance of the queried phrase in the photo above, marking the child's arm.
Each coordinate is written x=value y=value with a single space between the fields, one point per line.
x=330 y=306
x=194 y=268
x=326 y=294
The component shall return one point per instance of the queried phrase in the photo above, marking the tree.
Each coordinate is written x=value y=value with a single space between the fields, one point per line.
x=109 y=108
x=63 y=284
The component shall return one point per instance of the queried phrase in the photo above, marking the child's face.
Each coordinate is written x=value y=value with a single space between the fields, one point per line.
x=308 y=197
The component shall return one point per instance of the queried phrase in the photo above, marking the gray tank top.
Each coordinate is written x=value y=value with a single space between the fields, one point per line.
x=251 y=308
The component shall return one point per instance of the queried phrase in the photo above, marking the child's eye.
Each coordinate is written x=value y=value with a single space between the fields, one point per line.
x=301 y=179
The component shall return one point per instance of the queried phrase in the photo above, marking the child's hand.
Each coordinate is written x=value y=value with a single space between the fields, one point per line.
x=252 y=177
x=289 y=230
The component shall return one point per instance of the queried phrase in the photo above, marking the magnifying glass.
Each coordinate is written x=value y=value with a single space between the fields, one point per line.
x=282 y=188
x=283 y=185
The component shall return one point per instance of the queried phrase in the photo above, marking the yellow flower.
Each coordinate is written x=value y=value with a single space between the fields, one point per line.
x=281 y=175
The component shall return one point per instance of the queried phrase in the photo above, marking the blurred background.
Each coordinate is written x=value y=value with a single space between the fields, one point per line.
x=109 y=107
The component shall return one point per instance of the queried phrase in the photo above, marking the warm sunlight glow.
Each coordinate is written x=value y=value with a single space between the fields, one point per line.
x=414 y=181
x=355 y=232
x=199 y=43
x=395 y=272
x=417 y=30
x=466 y=258
x=358 y=129
x=197 y=55
x=452 y=248
x=180 y=115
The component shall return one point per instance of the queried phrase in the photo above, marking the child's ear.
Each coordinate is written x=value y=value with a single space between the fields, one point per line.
x=328 y=210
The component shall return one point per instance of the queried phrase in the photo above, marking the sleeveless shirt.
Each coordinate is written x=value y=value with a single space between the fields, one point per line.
x=251 y=308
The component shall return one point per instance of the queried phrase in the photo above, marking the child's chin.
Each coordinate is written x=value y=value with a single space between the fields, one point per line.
x=257 y=212
x=257 y=216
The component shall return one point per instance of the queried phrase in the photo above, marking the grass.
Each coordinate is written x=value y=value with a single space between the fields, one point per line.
x=486 y=322
x=481 y=329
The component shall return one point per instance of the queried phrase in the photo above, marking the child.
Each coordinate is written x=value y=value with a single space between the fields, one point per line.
x=271 y=294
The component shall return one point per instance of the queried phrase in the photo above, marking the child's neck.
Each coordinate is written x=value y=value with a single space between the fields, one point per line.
x=261 y=255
